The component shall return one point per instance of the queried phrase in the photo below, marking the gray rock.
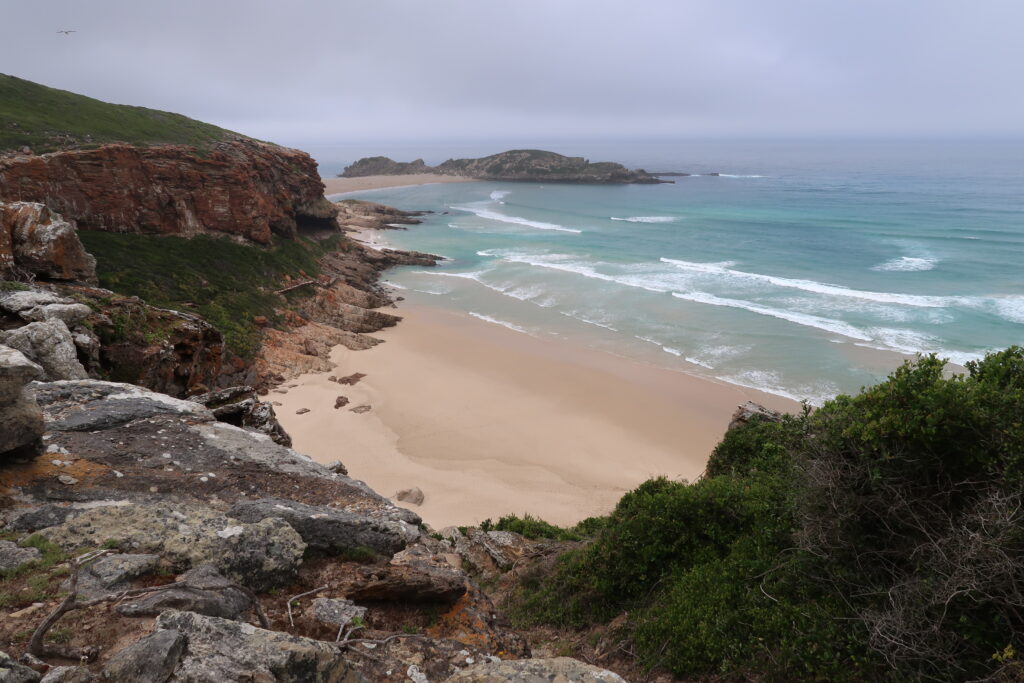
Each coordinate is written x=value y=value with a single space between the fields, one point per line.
x=13 y=556
x=149 y=660
x=111 y=574
x=749 y=411
x=48 y=343
x=12 y=672
x=552 y=670
x=413 y=496
x=337 y=467
x=328 y=530
x=260 y=555
x=16 y=302
x=44 y=243
x=20 y=416
x=202 y=590
x=239 y=406
x=42 y=517
x=336 y=612
x=70 y=314
x=228 y=651
x=68 y=674
x=95 y=405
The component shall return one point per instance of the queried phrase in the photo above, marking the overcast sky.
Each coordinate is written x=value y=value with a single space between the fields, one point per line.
x=301 y=71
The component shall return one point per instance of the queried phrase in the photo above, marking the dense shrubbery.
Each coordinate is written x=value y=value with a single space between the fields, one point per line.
x=879 y=536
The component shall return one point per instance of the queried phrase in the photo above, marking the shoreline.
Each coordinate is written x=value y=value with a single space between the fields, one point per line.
x=487 y=421
x=333 y=186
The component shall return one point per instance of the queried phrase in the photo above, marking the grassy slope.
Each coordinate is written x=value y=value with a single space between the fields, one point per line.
x=46 y=119
x=227 y=283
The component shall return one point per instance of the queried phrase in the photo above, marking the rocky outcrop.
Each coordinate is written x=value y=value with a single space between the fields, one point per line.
x=21 y=418
x=749 y=412
x=149 y=660
x=532 y=165
x=357 y=214
x=37 y=242
x=224 y=650
x=49 y=344
x=244 y=188
x=562 y=669
x=240 y=406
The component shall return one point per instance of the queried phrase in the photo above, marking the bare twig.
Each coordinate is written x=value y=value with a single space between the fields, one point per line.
x=292 y=599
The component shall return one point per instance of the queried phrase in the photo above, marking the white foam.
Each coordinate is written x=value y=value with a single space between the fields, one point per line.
x=583 y=319
x=646 y=219
x=771 y=383
x=907 y=264
x=514 y=220
x=816 y=287
x=498 y=195
x=1010 y=308
x=740 y=175
x=503 y=323
x=805 y=319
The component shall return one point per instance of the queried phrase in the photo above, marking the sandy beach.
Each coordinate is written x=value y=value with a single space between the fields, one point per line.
x=377 y=182
x=488 y=421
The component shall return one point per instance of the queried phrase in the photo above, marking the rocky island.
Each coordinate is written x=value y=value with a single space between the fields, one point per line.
x=521 y=165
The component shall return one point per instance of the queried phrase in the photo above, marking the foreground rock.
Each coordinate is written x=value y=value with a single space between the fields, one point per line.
x=240 y=406
x=21 y=418
x=49 y=344
x=37 y=242
x=561 y=669
x=749 y=412
x=260 y=555
x=223 y=650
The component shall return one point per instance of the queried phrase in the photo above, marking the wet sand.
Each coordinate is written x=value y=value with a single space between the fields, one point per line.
x=377 y=182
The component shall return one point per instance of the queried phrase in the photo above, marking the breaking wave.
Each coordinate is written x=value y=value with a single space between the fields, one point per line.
x=514 y=220
x=647 y=219
x=907 y=264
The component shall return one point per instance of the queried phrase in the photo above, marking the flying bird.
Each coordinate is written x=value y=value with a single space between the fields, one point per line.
x=67 y=33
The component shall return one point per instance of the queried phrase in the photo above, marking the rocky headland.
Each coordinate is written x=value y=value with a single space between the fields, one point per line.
x=154 y=522
x=520 y=165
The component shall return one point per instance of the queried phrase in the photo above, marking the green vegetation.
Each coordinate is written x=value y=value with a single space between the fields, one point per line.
x=227 y=283
x=533 y=528
x=12 y=286
x=34 y=581
x=46 y=119
x=879 y=537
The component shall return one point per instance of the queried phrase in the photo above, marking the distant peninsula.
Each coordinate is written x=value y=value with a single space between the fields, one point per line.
x=514 y=165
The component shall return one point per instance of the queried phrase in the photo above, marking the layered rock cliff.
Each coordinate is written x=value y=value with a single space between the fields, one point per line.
x=243 y=188
x=514 y=165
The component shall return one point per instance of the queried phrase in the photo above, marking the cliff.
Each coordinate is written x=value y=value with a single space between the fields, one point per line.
x=242 y=188
x=515 y=165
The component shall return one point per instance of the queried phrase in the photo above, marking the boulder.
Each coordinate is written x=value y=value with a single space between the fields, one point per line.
x=12 y=672
x=413 y=496
x=260 y=555
x=329 y=530
x=227 y=651
x=336 y=612
x=50 y=344
x=560 y=669
x=41 y=517
x=20 y=416
x=13 y=556
x=111 y=574
x=149 y=660
x=37 y=241
x=202 y=590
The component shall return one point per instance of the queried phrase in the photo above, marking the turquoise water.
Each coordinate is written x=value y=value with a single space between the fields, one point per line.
x=807 y=270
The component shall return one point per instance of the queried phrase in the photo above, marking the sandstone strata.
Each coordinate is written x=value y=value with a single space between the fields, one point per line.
x=244 y=188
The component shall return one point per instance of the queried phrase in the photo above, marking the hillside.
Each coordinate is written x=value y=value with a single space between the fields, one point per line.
x=46 y=119
x=533 y=165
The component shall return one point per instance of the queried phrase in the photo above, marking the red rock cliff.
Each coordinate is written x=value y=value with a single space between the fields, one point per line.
x=243 y=188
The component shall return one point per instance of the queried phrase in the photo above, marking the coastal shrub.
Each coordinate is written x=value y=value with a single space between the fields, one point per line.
x=226 y=282
x=879 y=537
x=531 y=527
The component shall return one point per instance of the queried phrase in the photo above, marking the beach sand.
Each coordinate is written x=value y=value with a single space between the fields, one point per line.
x=488 y=421
x=376 y=182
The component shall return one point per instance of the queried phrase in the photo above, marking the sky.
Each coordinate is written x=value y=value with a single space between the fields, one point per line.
x=304 y=71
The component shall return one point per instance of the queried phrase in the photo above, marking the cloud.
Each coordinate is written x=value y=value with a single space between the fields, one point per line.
x=324 y=70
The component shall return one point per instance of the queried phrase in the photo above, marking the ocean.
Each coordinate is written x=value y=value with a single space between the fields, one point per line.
x=805 y=269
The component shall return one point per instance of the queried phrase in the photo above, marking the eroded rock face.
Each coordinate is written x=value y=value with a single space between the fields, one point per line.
x=224 y=650
x=243 y=188
x=20 y=416
x=749 y=411
x=37 y=241
x=240 y=407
